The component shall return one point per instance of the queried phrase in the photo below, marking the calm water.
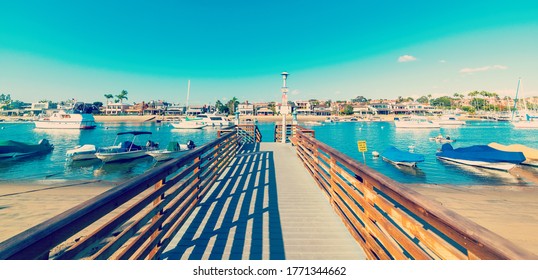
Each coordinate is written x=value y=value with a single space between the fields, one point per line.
x=342 y=136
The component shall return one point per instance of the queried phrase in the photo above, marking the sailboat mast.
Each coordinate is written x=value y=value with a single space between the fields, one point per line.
x=188 y=93
x=515 y=100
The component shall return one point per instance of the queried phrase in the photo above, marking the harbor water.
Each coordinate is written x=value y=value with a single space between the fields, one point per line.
x=343 y=136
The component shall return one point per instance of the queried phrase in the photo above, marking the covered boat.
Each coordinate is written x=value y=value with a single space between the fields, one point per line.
x=530 y=154
x=481 y=156
x=83 y=152
x=15 y=149
x=399 y=157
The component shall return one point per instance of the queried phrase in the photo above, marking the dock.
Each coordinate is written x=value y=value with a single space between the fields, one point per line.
x=238 y=198
x=264 y=206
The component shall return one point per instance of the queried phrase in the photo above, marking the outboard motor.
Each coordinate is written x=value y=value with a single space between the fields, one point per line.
x=190 y=145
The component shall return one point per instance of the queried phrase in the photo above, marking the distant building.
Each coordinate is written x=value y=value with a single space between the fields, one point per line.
x=264 y=112
x=116 y=108
x=303 y=108
x=246 y=109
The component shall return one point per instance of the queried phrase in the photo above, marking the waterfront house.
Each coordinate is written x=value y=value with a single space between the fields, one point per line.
x=246 y=109
x=116 y=108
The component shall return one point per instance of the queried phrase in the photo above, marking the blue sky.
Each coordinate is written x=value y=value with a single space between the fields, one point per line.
x=332 y=49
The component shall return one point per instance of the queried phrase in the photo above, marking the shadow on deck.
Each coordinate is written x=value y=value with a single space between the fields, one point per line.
x=239 y=218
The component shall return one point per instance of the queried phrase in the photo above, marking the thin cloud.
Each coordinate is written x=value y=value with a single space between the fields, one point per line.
x=295 y=92
x=484 y=68
x=406 y=58
x=442 y=61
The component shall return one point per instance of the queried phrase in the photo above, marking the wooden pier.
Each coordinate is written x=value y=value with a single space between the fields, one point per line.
x=237 y=198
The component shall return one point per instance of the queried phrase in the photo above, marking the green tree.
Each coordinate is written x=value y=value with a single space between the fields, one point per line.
x=347 y=110
x=423 y=100
x=232 y=105
x=108 y=96
x=272 y=106
x=122 y=95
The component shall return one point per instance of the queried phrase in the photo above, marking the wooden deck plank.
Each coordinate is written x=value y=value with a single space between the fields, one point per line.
x=265 y=206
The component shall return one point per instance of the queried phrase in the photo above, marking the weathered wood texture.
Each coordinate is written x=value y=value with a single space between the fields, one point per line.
x=391 y=221
x=134 y=220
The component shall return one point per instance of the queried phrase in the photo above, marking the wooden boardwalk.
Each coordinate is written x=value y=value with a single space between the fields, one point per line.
x=264 y=206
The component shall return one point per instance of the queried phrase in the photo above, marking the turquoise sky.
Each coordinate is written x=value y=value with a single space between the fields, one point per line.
x=332 y=49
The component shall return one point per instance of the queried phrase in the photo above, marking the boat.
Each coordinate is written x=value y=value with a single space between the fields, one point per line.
x=15 y=149
x=189 y=123
x=70 y=119
x=530 y=154
x=311 y=123
x=481 y=156
x=442 y=139
x=81 y=152
x=449 y=121
x=214 y=120
x=418 y=122
x=528 y=121
x=125 y=150
x=172 y=150
x=398 y=157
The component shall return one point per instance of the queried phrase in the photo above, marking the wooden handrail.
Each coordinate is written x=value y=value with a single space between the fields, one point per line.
x=392 y=221
x=135 y=220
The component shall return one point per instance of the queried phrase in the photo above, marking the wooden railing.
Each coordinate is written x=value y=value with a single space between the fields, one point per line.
x=290 y=132
x=134 y=220
x=391 y=221
x=246 y=133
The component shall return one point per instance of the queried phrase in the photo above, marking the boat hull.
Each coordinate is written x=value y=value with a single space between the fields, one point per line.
x=408 y=164
x=163 y=155
x=120 y=156
x=64 y=125
x=503 y=166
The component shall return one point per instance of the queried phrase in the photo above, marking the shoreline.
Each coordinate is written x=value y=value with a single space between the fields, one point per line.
x=264 y=119
x=509 y=211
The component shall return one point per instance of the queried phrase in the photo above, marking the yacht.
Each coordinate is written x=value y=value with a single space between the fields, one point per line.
x=414 y=122
x=66 y=120
x=449 y=121
x=189 y=123
x=214 y=120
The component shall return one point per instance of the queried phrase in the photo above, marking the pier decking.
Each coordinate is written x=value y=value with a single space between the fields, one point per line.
x=264 y=206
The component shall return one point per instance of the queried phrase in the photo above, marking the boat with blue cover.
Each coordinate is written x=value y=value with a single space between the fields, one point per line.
x=398 y=157
x=481 y=156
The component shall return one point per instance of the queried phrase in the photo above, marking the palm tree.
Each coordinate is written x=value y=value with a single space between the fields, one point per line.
x=232 y=104
x=122 y=95
x=108 y=96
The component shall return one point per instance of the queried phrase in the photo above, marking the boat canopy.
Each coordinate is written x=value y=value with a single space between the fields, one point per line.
x=483 y=153
x=397 y=155
x=134 y=132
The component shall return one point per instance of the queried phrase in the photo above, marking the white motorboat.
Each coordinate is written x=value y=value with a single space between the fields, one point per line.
x=84 y=152
x=442 y=139
x=449 y=121
x=418 y=122
x=214 y=120
x=189 y=123
x=312 y=123
x=125 y=150
x=66 y=120
x=173 y=150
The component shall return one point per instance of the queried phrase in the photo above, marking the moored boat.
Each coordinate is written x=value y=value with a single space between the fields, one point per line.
x=417 y=122
x=398 y=157
x=531 y=155
x=214 y=120
x=66 y=120
x=173 y=150
x=481 y=156
x=84 y=152
x=15 y=149
x=189 y=123
x=125 y=150
x=442 y=139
